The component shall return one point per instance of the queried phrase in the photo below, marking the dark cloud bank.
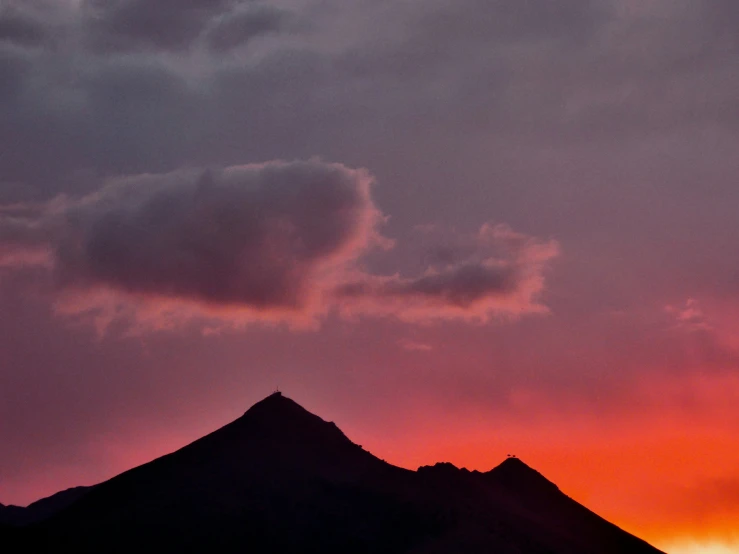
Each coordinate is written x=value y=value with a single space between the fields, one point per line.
x=105 y=87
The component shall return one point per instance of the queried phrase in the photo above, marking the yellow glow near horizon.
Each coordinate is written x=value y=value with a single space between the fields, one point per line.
x=704 y=548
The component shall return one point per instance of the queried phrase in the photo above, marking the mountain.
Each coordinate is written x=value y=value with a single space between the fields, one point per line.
x=41 y=509
x=281 y=480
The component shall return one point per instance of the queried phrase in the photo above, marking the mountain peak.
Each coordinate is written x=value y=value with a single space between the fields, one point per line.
x=515 y=462
x=282 y=413
x=274 y=402
x=514 y=473
x=277 y=432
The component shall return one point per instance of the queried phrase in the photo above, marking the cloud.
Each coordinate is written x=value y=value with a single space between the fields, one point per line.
x=20 y=28
x=502 y=276
x=262 y=239
x=130 y=86
x=130 y=26
x=135 y=25
x=278 y=241
x=13 y=69
x=414 y=346
x=689 y=317
x=239 y=27
x=24 y=239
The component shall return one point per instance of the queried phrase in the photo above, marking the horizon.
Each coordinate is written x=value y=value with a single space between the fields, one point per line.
x=688 y=548
x=459 y=228
x=273 y=394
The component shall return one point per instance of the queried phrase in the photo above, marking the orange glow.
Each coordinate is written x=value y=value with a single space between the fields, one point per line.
x=707 y=547
x=668 y=472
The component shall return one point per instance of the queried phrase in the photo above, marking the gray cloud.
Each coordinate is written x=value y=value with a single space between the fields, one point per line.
x=533 y=72
x=251 y=236
x=19 y=28
x=460 y=287
x=118 y=116
x=14 y=66
x=508 y=21
x=131 y=25
x=503 y=275
x=23 y=240
x=243 y=25
x=274 y=241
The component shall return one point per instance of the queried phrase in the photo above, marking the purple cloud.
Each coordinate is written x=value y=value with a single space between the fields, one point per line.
x=135 y=25
x=273 y=241
x=503 y=276
x=241 y=26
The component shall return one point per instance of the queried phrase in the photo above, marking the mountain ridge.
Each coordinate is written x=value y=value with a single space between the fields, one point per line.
x=281 y=479
x=40 y=509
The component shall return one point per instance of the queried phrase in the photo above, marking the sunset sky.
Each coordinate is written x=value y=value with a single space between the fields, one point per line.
x=457 y=228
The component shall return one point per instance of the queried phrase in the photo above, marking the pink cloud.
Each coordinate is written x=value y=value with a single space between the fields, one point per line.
x=414 y=346
x=24 y=239
x=690 y=316
x=278 y=242
x=502 y=276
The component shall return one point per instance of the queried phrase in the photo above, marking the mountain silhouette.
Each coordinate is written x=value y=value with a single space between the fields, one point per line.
x=41 y=509
x=282 y=480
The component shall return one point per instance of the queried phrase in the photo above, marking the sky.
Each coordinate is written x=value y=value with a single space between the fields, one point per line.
x=458 y=228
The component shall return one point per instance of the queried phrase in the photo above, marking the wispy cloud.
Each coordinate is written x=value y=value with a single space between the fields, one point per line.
x=414 y=346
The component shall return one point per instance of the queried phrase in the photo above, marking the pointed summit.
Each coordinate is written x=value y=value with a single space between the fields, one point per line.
x=513 y=473
x=277 y=418
x=278 y=406
x=273 y=399
x=278 y=434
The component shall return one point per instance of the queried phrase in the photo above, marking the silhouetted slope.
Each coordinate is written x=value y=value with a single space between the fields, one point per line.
x=278 y=479
x=281 y=480
x=10 y=514
x=41 y=509
x=554 y=510
x=515 y=508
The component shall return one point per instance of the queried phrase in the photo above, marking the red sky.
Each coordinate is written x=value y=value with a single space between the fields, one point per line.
x=460 y=229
